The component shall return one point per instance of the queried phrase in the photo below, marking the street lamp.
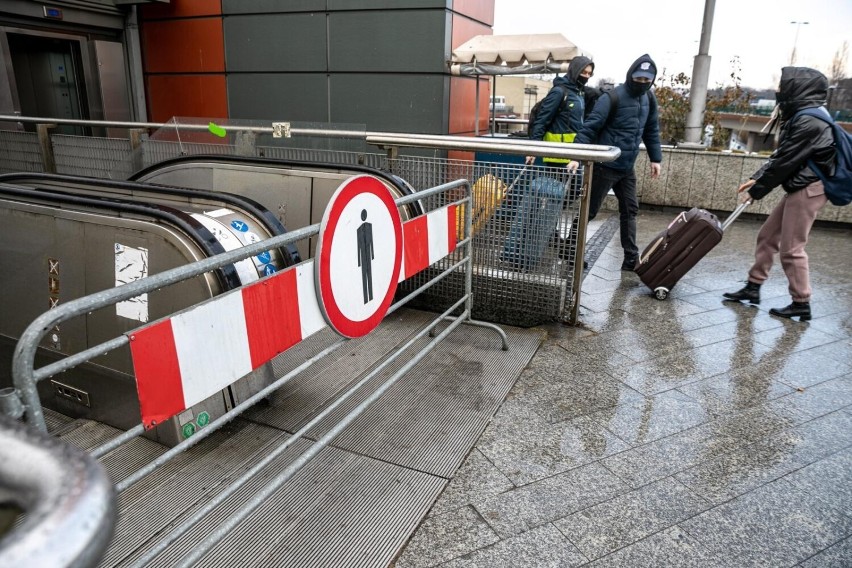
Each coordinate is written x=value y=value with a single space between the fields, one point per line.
x=795 y=41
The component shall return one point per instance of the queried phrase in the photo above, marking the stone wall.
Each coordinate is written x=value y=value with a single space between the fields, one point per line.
x=709 y=180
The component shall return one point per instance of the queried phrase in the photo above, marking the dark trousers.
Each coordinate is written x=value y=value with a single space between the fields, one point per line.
x=623 y=183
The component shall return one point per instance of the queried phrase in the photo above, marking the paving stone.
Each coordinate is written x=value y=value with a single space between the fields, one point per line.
x=671 y=548
x=718 y=400
x=653 y=417
x=444 y=537
x=823 y=398
x=476 y=480
x=837 y=556
x=705 y=442
x=829 y=480
x=542 y=547
x=630 y=517
x=528 y=450
x=741 y=470
x=735 y=391
x=538 y=503
x=774 y=525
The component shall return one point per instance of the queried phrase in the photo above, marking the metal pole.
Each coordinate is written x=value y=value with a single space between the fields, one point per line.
x=700 y=79
x=795 y=41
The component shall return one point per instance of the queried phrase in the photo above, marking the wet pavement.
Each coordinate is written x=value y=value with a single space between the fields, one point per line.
x=684 y=432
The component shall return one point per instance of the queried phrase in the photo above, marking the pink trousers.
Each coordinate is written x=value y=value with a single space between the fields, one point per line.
x=786 y=231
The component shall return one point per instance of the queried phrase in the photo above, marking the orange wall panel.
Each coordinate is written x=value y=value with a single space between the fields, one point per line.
x=463 y=105
x=181 y=9
x=482 y=10
x=464 y=29
x=181 y=46
x=186 y=95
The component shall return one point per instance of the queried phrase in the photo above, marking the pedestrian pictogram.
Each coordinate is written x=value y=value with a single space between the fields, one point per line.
x=360 y=242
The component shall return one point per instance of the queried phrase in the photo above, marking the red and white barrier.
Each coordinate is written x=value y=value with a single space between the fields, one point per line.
x=182 y=360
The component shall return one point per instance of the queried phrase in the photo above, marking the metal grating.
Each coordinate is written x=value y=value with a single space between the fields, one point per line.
x=19 y=152
x=352 y=505
x=525 y=238
x=108 y=158
x=429 y=420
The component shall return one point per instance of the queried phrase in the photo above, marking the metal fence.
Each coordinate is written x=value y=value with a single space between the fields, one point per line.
x=544 y=285
x=24 y=400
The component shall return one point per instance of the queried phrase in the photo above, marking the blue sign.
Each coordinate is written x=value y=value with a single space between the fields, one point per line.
x=265 y=257
x=239 y=225
x=268 y=269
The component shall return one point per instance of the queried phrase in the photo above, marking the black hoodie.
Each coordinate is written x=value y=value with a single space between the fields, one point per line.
x=802 y=138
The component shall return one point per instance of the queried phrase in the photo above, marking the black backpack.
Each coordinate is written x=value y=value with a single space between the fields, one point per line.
x=537 y=108
x=838 y=188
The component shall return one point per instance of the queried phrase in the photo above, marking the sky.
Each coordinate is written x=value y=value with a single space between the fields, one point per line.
x=761 y=34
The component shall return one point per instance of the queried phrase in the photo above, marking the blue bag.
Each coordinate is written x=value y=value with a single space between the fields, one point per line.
x=838 y=188
x=534 y=223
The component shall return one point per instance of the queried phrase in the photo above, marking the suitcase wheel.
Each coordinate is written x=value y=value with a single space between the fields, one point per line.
x=661 y=293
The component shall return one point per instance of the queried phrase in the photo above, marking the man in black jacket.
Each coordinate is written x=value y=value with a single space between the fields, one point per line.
x=634 y=120
x=786 y=230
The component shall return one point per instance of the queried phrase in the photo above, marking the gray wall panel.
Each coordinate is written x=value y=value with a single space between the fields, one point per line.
x=391 y=103
x=277 y=42
x=402 y=40
x=271 y=6
x=293 y=97
x=341 y=5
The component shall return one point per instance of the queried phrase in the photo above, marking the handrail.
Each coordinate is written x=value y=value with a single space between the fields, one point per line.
x=67 y=497
x=517 y=146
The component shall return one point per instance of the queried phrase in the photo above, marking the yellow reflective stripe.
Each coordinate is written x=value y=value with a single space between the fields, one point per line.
x=566 y=138
x=554 y=137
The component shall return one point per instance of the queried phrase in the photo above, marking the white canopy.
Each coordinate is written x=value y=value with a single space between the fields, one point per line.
x=514 y=54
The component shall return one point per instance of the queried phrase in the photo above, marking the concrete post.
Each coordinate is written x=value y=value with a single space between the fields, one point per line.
x=48 y=162
x=700 y=78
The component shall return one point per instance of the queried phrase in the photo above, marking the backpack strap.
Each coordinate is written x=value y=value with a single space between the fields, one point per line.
x=562 y=104
x=613 y=106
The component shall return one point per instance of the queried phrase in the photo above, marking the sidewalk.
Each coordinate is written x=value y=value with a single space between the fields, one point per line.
x=688 y=432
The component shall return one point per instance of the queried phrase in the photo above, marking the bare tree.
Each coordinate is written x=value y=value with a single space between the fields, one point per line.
x=838 y=65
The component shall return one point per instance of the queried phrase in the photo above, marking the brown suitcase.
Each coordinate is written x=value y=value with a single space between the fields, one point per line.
x=675 y=250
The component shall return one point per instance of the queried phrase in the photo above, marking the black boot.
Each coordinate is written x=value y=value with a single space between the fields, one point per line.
x=801 y=310
x=751 y=292
x=629 y=264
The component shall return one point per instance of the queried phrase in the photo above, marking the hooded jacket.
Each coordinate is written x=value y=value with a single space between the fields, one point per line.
x=570 y=119
x=635 y=120
x=802 y=138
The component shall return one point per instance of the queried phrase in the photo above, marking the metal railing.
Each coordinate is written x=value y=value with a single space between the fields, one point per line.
x=24 y=400
x=63 y=495
x=548 y=291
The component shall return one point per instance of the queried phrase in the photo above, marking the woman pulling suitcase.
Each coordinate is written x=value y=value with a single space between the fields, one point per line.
x=805 y=141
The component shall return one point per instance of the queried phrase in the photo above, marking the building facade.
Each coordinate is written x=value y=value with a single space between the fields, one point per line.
x=380 y=64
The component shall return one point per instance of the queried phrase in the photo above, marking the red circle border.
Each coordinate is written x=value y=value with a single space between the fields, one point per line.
x=328 y=305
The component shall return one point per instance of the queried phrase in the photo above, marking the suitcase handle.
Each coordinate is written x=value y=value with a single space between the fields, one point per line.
x=734 y=214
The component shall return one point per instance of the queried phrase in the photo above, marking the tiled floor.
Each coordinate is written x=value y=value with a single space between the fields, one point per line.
x=687 y=432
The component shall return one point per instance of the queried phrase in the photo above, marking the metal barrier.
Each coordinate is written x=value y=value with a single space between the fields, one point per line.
x=24 y=400
x=65 y=496
x=549 y=290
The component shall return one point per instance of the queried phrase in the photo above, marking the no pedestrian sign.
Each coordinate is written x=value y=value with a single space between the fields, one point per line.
x=358 y=256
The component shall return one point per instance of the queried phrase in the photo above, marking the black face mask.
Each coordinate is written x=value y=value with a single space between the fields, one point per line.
x=582 y=80
x=637 y=89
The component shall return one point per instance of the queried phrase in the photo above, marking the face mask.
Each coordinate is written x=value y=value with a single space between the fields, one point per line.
x=637 y=89
x=582 y=80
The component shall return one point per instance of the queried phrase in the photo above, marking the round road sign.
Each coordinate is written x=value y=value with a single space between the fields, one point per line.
x=359 y=255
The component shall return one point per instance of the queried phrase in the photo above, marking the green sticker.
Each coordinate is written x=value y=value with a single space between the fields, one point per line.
x=216 y=129
x=203 y=420
x=188 y=429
